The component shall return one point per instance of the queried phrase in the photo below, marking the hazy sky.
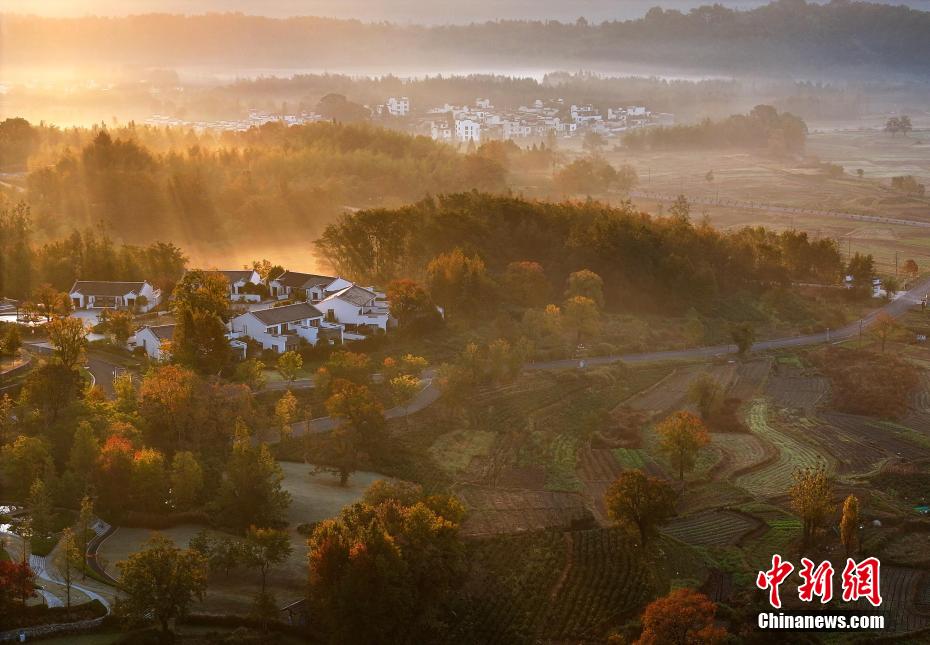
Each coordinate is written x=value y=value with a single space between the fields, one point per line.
x=417 y=11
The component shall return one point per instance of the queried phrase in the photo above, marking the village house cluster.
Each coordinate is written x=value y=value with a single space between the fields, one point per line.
x=482 y=121
x=280 y=314
x=476 y=123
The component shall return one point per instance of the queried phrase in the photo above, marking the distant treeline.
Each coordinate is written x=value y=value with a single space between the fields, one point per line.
x=141 y=183
x=666 y=264
x=762 y=128
x=787 y=35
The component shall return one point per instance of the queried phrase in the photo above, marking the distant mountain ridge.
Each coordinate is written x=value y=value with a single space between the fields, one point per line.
x=784 y=37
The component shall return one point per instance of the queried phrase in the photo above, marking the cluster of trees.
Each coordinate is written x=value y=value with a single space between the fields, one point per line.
x=763 y=128
x=195 y=188
x=28 y=269
x=18 y=140
x=174 y=443
x=460 y=247
x=593 y=176
x=783 y=36
x=345 y=381
x=897 y=124
x=396 y=558
x=908 y=184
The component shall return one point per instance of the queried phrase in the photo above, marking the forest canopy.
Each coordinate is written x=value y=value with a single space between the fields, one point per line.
x=663 y=263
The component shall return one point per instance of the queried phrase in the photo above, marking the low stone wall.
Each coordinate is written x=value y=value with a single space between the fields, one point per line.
x=41 y=631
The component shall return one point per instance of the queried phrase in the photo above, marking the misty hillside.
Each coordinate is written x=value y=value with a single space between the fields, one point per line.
x=788 y=36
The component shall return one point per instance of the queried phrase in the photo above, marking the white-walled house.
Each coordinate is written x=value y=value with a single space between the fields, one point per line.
x=316 y=287
x=357 y=307
x=282 y=328
x=102 y=294
x=238 y=291
x=151 y=339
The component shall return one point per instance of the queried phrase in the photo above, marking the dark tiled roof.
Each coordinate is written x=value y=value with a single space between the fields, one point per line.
x=356 y=295
x=296 y=280
x=162 y=332
x=104 y=288
x=235 y=276
x=287 y=313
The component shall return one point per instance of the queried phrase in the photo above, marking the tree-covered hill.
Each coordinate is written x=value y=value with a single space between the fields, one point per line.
x=783 y=36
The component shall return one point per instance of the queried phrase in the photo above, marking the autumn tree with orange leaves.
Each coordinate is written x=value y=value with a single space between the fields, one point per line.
x=683 y=617
x=682 y=435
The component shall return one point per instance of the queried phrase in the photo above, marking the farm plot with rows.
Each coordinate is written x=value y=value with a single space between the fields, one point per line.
x=853 y=455
x=598 y=468
x=553 y=586
x=790 y=388
x=894 y=439
x=493 y=511
x=775 y=478
x=603 y=581
x=538 y=428
x=900 y=587
x=711 y=528
x=919 y=422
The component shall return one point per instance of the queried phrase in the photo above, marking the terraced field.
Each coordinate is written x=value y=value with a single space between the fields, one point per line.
x=739 y=453
x=711 y=528
x=551 y=586
x=495 y=511
x=775 y=477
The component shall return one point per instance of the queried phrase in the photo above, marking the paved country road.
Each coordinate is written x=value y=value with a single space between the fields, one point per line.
x=895 y=308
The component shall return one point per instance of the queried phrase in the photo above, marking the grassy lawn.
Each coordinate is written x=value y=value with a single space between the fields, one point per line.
x=274 y=376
